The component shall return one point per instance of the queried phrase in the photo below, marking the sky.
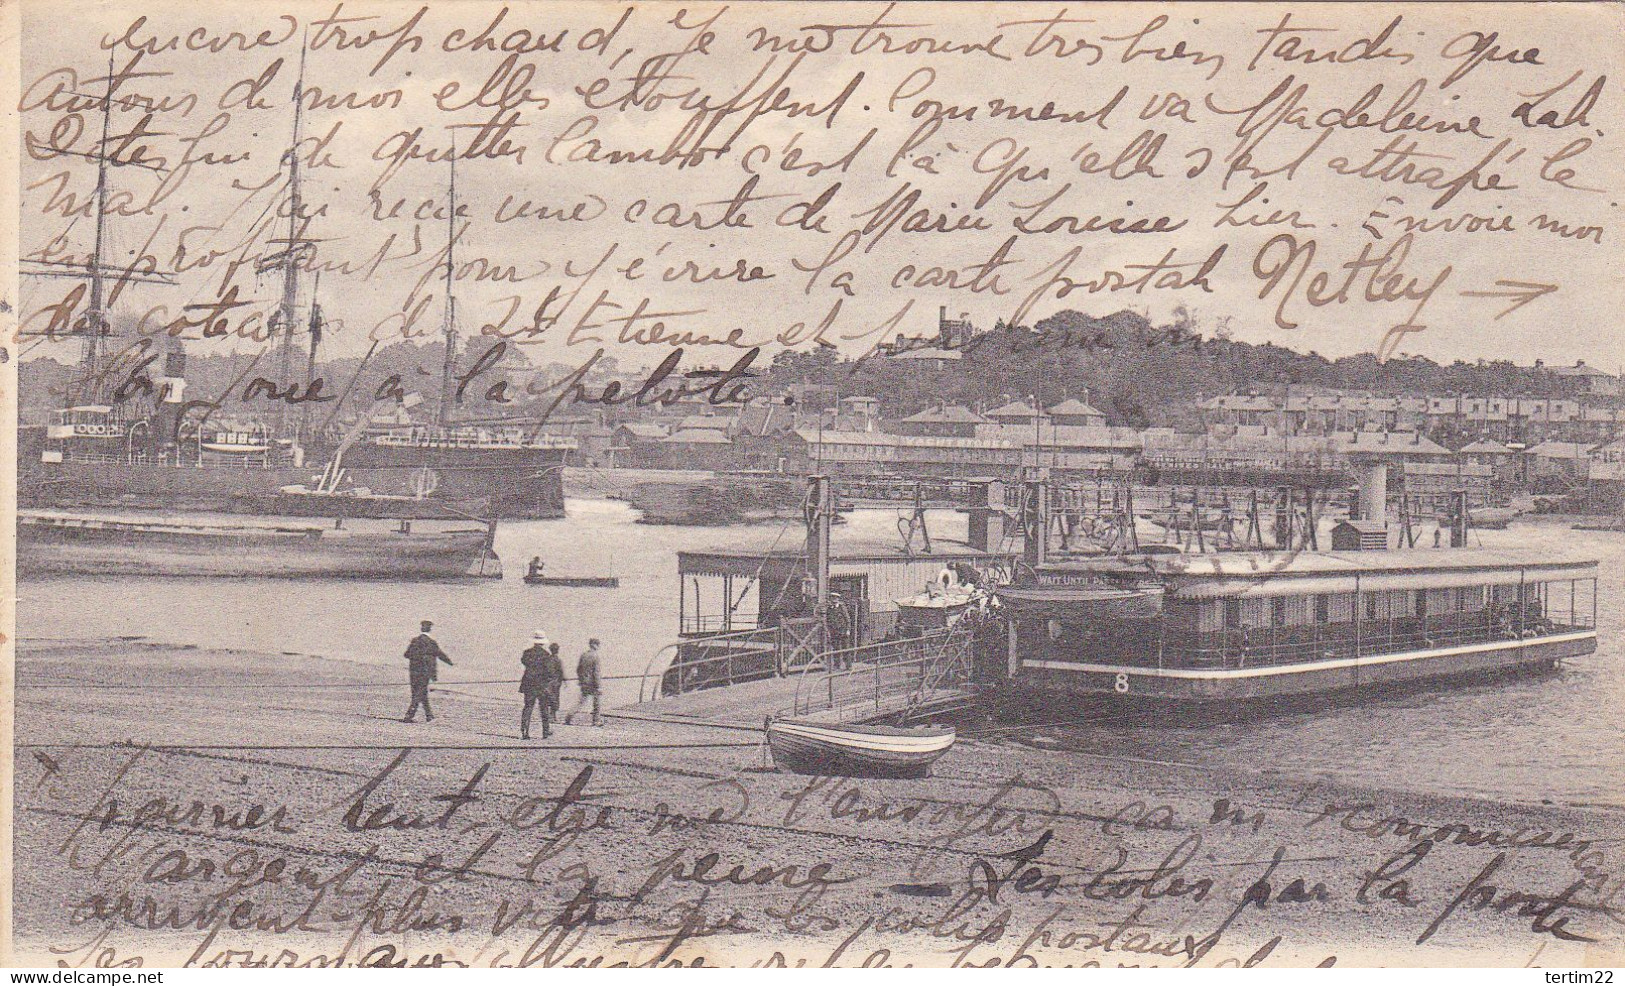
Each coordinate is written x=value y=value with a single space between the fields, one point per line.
x=857 y=121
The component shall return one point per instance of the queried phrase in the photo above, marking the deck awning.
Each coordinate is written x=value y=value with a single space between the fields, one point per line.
x=772 y=564
x=775 y=566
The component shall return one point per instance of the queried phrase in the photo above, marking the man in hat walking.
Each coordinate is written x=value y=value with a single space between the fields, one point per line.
x=421 y=655
x=534 y=685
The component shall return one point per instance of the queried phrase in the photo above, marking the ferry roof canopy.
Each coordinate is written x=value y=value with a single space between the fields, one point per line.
x=1285 y=573
x=777 y=563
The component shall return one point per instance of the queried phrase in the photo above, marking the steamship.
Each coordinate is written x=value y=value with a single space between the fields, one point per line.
x=103 y=452
x=94 y=455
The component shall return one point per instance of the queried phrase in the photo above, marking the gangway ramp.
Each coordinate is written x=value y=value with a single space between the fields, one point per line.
x=874 y=682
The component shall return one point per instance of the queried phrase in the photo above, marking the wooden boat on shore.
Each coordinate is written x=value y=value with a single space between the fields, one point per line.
x=79 y=544
x=575 y=581
x=856 y=751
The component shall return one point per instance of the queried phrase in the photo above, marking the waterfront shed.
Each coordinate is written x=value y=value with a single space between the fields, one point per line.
x=1360 y=535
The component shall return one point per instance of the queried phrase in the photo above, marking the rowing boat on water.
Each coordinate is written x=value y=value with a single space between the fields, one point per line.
x=856 y=751
x=575 y=581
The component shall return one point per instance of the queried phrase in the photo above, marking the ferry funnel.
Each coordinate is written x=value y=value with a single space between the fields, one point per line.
x=1373 y=477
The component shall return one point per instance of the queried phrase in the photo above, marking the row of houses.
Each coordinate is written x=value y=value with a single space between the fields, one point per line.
x=1070 y=437
x=1581 y=414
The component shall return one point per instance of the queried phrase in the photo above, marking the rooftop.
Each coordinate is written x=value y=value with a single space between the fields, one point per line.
x=1579 y=369
x=644 y=429
x=714 y=422
x=1074 y=406
x=954 y=413
x=1014 y=409
x=1560 y=450
x=697 y=436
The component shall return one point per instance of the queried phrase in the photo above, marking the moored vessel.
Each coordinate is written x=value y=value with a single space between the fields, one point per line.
x=575 y=581
x=467 y=472
x=82 y=544
x=119 y=446
x=1264 y=626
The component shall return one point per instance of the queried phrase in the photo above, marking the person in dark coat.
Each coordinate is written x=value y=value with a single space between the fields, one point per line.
x=553 y=680
x=422 y=655
x=533 y=686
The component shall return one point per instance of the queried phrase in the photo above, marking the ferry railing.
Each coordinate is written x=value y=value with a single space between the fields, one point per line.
x=955 y=659
x=871 y=677
x=723 y=659
x=177 y=459
x=712 y=624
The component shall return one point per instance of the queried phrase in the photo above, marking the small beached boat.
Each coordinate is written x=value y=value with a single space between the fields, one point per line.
x=575 y=581
x=856 y=751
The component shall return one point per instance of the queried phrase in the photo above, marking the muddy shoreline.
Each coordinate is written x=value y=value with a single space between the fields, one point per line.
x=179 y=804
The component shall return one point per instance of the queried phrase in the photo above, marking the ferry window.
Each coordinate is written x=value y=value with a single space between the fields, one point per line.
x=1278 y=611
x=1371 y=605
x=1232 y=612
x=1421 y=607
x=1323 y=609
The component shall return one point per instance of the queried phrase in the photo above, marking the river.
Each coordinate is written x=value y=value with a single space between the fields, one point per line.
x=1552 y=738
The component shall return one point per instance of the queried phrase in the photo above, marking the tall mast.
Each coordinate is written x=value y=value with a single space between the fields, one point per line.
x=443 y=414
x=310 y=358
x=286 y=311
x=96 y=317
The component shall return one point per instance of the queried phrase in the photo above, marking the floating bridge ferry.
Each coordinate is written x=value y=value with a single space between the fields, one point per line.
x=1263 y=626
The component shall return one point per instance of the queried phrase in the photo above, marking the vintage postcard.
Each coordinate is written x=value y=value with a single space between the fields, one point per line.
x=546 y=484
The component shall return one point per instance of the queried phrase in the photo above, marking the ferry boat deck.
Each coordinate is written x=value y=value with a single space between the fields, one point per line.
x=1261 y=625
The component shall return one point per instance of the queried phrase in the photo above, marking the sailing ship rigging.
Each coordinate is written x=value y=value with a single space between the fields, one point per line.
x=449 y=328
x=98 y=451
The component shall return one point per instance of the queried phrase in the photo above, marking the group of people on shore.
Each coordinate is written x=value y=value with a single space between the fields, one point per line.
x=544 y=677
x=539 y=687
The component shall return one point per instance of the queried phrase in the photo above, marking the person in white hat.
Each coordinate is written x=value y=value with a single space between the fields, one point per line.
x=533 y=686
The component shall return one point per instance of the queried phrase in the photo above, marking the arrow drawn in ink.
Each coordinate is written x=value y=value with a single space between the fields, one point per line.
x=1523 y=291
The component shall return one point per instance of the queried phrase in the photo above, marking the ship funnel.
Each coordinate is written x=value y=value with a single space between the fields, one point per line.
x=1374 y=492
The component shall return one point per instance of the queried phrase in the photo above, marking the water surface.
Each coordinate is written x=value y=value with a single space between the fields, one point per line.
x=1556 y=737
